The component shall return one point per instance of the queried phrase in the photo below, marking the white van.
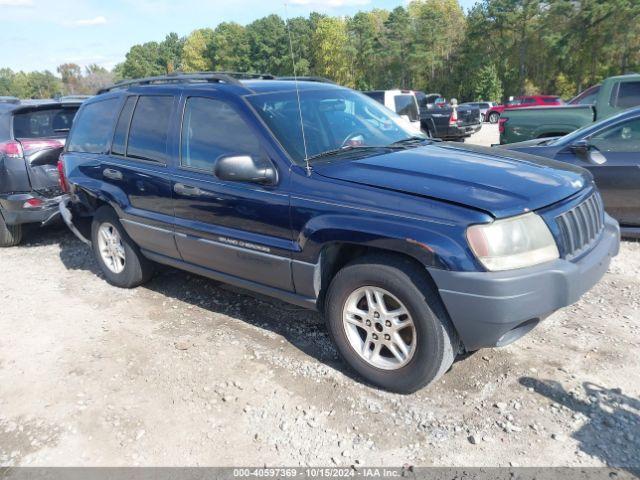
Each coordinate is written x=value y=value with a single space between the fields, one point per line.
x=403 y=102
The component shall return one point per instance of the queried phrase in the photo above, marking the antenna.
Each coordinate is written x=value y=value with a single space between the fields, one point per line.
x=295 y=79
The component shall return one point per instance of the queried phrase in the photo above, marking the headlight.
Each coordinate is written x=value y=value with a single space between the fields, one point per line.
x=512 y=243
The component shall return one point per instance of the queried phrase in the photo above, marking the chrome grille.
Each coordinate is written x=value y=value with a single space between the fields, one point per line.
x=581 y=226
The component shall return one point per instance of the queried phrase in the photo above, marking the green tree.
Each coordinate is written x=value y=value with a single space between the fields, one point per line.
x=142 y=61
x=330 y=40
x=269 y=46
x=486 y=84
x=229 y=48
x=195 y=53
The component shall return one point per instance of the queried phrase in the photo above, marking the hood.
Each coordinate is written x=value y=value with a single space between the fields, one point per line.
x=498 y=181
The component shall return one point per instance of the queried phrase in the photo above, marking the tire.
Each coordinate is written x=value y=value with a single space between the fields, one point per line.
x=10 y=235
x=435 y=344
x=131 y=269
x=494 y=117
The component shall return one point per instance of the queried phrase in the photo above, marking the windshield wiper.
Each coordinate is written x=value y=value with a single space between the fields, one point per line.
x=412 y=141
x=348 y=149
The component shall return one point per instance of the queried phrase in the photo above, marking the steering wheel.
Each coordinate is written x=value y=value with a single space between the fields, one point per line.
x=350 y=137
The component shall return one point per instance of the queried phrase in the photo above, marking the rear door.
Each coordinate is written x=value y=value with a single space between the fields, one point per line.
x=236 y=228
x=619 y=177
x=136 y=171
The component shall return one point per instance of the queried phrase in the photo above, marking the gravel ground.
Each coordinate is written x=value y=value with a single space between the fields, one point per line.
x=186 y=371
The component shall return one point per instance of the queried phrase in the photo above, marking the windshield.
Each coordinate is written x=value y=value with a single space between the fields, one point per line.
x=333 y=119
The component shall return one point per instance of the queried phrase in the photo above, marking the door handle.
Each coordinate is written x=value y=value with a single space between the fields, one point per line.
x=187 y=190
x=112 y=174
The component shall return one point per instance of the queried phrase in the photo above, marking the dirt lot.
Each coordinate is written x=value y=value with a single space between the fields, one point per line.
x=186 y=371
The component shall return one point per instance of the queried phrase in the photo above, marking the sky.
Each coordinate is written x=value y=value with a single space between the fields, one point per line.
x=42 y=34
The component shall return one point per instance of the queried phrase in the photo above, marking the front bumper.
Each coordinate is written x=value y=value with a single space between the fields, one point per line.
x=15 y=212
x=492 y=309
x=462 y=131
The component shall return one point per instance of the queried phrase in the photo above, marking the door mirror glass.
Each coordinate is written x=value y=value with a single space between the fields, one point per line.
x=244 y=168
x=581 y=147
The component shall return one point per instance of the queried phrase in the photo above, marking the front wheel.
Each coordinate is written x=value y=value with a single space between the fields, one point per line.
x=10 y=235
x=118 y=256
x=389 y=325
x=494 y=117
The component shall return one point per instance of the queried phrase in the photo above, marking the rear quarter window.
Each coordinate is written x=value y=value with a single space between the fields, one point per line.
x=93 y=128
x=54 y=122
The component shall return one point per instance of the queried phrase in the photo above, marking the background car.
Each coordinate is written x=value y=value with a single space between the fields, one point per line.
x=493 y=114
x=484 y=107
x=610 y=150
x=32 y=135
x=615 y=95
x=403 y=102
x=446 y=121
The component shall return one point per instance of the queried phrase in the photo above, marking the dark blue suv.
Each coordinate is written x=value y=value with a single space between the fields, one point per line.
x=414 y=250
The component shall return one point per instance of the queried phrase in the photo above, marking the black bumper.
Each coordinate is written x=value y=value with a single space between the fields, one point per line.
x=460 y=131
x=15 y=213
x=492 y=309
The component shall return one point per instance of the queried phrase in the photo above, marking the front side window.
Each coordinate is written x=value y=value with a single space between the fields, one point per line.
x=212 y=129
x=94 y=126
x=148 y=135
x=332 y=118
x=621 y=138
x=628 y=95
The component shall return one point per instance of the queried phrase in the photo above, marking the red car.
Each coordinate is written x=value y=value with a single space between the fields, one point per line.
x=493 y=115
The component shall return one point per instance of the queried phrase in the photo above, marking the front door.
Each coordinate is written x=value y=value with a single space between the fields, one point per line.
x=237 y=228
x=618 y=178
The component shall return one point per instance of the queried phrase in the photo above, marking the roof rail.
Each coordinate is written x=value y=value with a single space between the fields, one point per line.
x=178 y=77
x=9 y=99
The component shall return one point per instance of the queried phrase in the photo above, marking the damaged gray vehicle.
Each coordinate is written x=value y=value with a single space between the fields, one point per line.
x=32 y=136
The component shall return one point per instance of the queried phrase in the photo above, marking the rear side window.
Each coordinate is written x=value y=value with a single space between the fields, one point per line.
x=55 y=122
x=94 y=127
x=529 y=100
x=212 y=129
x=120 y=136
x=550 y=100
x=628 y=95
x=406 y=105
x=150 y=129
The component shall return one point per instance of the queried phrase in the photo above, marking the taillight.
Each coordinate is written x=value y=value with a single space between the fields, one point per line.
x=453 y=119
x=32 y=146
x=11 y=149
x=501 y=123
x=33 y=203
x=64 y=186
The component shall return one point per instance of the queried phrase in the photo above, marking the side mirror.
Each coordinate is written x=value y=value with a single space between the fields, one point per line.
x=588 y=152
x=244 y=168
x=581 y=147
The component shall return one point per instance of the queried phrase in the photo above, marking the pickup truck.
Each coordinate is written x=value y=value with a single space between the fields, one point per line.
x=414 y=250
x=614 y=95
x=447 y=122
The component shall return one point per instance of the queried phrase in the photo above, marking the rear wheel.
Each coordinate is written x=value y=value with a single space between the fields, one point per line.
x=389 y=325
x=118 y=256
x=10 y=235
x=494 y=117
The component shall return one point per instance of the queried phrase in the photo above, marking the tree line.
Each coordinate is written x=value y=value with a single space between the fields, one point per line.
x=497 y=49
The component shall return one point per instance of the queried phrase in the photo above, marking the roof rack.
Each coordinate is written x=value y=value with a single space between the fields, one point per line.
x=231 y=78
x=308 y=79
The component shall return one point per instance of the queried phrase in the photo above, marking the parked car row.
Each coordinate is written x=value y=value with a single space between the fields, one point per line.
x=415 y=250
